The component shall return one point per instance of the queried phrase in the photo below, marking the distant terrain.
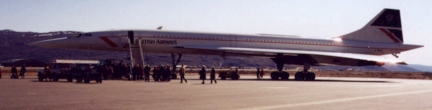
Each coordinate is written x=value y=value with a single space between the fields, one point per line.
x=13 y=46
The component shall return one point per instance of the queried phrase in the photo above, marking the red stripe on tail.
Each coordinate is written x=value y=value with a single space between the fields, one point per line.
x=390 y=35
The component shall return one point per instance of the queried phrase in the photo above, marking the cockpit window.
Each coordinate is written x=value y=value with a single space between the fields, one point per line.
x=87 y=34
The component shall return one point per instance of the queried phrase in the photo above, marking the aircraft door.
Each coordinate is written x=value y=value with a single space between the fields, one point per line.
x=131 y=37
x=233 y=41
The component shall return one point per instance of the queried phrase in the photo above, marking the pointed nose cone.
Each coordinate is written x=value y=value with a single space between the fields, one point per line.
x=50 y=43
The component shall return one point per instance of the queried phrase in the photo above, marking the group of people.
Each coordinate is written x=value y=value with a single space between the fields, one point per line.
x=14 y=71
x=212 y=75
x=140 y=73
x=115 y=71
x=260 y=73
x=162 y=73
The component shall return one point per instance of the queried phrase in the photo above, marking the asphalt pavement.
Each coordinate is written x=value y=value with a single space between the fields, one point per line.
x=245 y=94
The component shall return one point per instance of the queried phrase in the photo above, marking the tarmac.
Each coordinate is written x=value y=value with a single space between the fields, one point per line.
x=329 y=93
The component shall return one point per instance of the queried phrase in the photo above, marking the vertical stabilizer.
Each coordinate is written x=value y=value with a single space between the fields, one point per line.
x=386 y=27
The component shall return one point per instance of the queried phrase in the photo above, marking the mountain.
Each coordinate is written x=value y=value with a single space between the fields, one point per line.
x=400 y=68
x=423 y=68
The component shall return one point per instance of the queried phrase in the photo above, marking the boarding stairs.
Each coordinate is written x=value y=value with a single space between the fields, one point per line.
x=136 y=52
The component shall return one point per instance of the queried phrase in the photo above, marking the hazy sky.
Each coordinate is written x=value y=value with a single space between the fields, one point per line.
x=305 y=18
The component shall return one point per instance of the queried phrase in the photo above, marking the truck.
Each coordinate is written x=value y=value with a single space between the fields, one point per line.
x=80 y=70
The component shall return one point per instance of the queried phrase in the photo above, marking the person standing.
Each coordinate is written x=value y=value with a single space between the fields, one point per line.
x=14 y=72
x=147 y=73
x=47 y=72
x=161 y=73
x=155 y=73
x=168 y=73
x=22 y=71
x=213 y=76
x=135 y=72
x=127 y=72
x=258 y=73
x=262 y=73
x=110 y=71
x=141 y=72
x=182 y=74
x=202 y=74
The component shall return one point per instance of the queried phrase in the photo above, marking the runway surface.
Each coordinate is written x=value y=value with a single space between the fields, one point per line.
x=245 y=94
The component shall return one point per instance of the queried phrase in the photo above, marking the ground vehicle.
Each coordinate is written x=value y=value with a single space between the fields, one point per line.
x=71 y=69
x=229 y=74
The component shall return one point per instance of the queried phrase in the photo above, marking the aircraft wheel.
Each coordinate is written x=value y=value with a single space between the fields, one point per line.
x=284 y=75
x=274 y=75
x=223 y=77
x=235 y=76
x=310 y=76
x=299 y=76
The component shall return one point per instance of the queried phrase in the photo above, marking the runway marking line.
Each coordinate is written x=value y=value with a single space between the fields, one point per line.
x=332 y=101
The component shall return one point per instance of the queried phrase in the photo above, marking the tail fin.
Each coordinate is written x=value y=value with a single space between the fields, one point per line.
x=386 y=27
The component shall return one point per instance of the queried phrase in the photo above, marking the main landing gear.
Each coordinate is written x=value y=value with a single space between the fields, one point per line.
x=276 y=75
x=174 y=64
x=305 y=75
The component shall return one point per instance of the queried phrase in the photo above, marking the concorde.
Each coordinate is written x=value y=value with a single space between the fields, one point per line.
x=366 y=46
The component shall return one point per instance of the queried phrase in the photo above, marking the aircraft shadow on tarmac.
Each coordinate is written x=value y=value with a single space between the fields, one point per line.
x=248 y=79
x=317 y=80
x=60 y=81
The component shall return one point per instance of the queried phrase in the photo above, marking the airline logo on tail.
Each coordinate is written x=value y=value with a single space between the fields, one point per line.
x=386 y=27
x=390 y=18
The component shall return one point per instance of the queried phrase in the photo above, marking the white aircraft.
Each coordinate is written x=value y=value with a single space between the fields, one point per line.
x=366 y=46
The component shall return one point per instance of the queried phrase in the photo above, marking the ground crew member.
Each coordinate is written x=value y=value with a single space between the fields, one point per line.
x=182 y=74
x=258 y=73
x=213 y=76
x=14 y=72
x=147 y=73
x=202 y=74
x=22 y=71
